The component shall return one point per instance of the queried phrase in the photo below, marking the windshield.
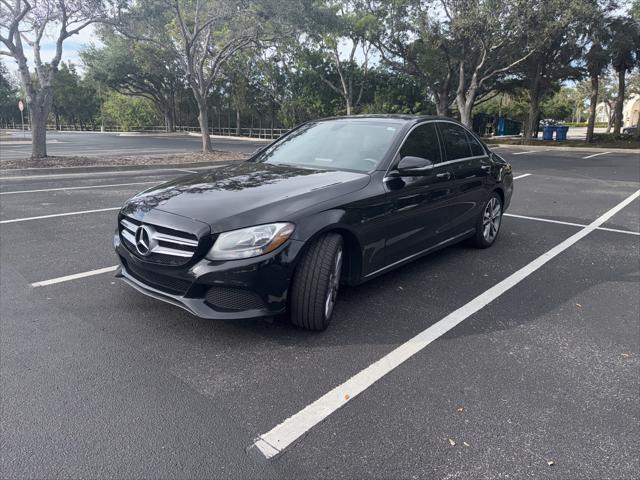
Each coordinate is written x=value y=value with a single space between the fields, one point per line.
x=355 y=145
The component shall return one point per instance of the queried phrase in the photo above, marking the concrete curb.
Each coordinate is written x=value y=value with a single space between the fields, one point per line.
x=233 y=137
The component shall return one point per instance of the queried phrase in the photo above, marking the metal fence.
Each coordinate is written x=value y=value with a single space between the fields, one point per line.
x=264 y=133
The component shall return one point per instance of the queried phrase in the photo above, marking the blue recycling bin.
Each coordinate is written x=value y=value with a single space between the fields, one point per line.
x=547 y=132
x=561 y=133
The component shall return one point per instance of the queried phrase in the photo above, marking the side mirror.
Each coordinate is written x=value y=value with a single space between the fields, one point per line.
x=414 y=166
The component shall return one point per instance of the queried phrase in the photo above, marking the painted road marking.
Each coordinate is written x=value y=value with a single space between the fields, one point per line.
x=530 y=151
x=521 y=176
x=78 y=188
x=276 y=440
x=581 y=225
x=75 y=276
x=16 y=220
x=143 y=172
x=595 y=155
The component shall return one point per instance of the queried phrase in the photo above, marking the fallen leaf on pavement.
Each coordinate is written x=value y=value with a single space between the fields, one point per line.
x=578 y=305
x=465 y=444
x=452 y=442
x=551 y=463
x=460 y=409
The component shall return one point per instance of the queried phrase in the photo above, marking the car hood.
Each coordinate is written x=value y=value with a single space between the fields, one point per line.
x=245 y=194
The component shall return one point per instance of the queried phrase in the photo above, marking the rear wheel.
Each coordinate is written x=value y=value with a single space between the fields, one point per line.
x=316 y=281
x=488 y=224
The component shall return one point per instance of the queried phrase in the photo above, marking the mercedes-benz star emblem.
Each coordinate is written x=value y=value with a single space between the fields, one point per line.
x=143 y=241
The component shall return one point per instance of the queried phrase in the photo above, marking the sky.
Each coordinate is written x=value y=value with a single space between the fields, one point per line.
x=70 y=50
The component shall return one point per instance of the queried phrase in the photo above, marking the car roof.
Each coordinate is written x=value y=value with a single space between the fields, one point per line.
x=401 y=118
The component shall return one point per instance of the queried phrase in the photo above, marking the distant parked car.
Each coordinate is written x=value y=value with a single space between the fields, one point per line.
x=336 y=201
x=630 y=130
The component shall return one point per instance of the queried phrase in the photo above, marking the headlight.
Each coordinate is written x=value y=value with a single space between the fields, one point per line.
x=250 y=242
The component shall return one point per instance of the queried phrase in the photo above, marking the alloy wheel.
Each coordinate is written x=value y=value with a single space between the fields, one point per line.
x=491 y=219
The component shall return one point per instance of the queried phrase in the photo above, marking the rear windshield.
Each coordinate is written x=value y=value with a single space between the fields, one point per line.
x=353 y=145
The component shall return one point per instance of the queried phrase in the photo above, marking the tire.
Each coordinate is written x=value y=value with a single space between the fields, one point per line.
x=489 y=222
x=315 y=283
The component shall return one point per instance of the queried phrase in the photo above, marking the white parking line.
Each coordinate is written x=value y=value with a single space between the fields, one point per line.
x=139 y=172
x=530 y=151
x=522 y=176
x=280 y=437
x=75 y=276
x=16 y=220
x=595 y=155
x=78 y=188
x=547 y=220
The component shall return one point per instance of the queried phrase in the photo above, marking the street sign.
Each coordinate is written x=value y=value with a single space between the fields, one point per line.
x=20 y=105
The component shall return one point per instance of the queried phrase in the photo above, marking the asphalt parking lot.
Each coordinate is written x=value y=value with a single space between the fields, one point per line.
x=539 y=379
x=91 y=144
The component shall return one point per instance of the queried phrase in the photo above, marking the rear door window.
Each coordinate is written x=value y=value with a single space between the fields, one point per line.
x=422 y=142
x=476 y=148
x=455 y=141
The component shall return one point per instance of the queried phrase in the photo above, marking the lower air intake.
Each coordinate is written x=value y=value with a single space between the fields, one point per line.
x=229 y=298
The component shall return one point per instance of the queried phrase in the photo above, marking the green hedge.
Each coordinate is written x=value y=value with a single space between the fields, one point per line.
x=585 y=124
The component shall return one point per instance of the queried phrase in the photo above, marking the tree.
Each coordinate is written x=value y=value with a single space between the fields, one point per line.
x=337 y=34
x=74 y=100
x=597 y=59
x=556 y=43
x=8 y=98
x=130 y=113
x=485 y=39
x=204 y=35
x=136 y=68
x=409 y=39
x=625 y=54
x=29 y=21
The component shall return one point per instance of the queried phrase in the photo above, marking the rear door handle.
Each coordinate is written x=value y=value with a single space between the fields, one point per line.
x=444 y=175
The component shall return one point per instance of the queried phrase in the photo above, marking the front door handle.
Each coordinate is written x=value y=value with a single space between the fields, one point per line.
x=486 y=168
x=444 y=175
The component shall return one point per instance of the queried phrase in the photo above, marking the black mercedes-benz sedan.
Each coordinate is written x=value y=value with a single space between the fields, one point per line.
x=333 y=202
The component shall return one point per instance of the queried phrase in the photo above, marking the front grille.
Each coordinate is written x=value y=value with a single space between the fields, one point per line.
x=176 y=286
x=229 y=298
x=166 y=245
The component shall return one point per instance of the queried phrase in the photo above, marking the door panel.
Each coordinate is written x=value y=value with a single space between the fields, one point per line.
x=469 y=165
x=420 y=206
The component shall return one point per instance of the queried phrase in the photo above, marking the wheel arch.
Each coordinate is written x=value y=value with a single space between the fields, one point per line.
x=352 y=248
x=500 y=192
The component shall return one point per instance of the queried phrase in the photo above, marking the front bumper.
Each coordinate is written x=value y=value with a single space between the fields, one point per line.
x=226 y=290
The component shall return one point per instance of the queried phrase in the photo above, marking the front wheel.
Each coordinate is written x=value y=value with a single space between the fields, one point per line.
x=488 y=224
x=315 y=284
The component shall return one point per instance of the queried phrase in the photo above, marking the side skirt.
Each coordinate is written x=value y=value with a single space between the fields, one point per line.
x=422 y=253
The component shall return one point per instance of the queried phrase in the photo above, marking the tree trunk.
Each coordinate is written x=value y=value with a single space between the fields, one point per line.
x=636 y=135
x=442 y=104
x=348 y=102
x=39 y=112
x=442 y=97
x=203 y=120
x=593 y=105
x=238 y=130
x=617 y=125
x=169 y=120
x=466 y=98
x=531 y=123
